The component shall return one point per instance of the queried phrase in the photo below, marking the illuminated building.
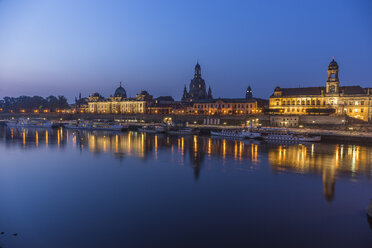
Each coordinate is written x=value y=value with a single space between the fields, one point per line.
x=119 y=103
x=353 y=101
x=228 y=106
x=162 y=105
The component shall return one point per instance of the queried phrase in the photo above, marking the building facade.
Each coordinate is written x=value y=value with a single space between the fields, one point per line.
x=224 y=106
x=119 y=103
x=227 y=106
x=333 y=99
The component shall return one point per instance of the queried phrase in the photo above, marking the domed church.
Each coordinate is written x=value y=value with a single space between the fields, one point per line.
x=197 y=89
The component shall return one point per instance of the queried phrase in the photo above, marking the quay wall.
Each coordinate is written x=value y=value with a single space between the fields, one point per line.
x=313 y=122
x=194 y=119
x=322 y=120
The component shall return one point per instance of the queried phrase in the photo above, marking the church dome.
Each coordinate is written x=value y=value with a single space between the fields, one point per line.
x=333 y=65
x=120 y=92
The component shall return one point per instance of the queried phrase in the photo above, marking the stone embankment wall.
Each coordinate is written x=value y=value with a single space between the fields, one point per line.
x=192 y=119
x=321 y=122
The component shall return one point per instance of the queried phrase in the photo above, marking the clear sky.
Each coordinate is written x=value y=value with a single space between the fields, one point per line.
x=66 y=47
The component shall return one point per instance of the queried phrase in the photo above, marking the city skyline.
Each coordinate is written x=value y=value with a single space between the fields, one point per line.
x=185 y=123
x=154 y=47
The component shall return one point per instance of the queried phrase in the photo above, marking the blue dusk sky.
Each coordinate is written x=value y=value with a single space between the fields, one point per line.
x=66 y=47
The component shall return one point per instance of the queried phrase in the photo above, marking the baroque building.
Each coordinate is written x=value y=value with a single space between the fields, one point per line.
x=333 y=99
x=228 y=106
x=119 y=103
x=197 y=88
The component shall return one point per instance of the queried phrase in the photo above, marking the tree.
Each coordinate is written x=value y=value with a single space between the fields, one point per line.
x=30 y=104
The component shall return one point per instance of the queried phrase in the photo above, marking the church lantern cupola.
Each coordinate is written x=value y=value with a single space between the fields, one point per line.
x=197 y=70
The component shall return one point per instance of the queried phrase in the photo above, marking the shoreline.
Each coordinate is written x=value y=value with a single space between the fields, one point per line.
x=337 y=133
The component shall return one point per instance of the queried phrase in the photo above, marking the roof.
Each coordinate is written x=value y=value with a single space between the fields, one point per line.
x=333 y=64
x=314 y=91
x=120 y=92
x=165 y=98
x=351 y=90
x=302 y=91
x=226 y=100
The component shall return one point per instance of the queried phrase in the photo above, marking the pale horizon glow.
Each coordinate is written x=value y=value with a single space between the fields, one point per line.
x=67 y=47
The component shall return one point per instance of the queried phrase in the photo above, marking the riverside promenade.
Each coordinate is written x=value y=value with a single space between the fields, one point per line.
x=350 y=132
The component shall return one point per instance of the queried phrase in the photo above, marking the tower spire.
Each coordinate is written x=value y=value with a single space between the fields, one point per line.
x=210 y=93
x=248 y=93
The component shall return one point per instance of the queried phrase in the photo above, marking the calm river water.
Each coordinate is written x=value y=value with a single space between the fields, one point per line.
x=61 y=188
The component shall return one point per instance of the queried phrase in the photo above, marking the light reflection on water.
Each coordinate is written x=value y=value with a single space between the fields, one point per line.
x=332 y=164
x=329 y=160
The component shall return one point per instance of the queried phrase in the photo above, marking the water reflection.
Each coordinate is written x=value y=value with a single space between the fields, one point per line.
x=328 y=160
x=33 y=137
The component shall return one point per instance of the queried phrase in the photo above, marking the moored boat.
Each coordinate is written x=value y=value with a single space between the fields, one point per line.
x=237 y=133
x=290 y=137
x=153 y=129
x=77 y=125
x=234 y=133
x=247 y=134
x=96 y=125
x=30 y=122
x=182 y=131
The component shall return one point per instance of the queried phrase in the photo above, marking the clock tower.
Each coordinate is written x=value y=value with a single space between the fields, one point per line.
x=333 y=84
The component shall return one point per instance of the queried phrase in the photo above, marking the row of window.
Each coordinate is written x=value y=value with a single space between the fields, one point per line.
x=240 y=106
x=355 y=110
x=303 y=102
x=222 y=112
x=316 y=102
x=355 y=103
x=361 y=110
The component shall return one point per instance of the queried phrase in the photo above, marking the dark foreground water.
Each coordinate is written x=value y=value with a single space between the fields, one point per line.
x=66 y=189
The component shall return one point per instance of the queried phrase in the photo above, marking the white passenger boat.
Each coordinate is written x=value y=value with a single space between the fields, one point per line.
x=289 y=137
x=247 y=134
x=78 y=125
x=234 y=133
x=182 y=131
x=98 y=125
x=30 y=122
x=106 y=126
x=237 y=133
x=153 y=129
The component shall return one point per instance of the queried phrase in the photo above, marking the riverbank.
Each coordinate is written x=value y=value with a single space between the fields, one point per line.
x=349 y=132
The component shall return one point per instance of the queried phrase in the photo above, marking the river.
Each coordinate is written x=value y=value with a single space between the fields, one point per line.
x=61 y=188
